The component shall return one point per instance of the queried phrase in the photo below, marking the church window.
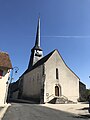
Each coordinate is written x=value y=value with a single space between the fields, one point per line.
x=37 y=77
x=1 y=74
x=43 y=70
x=57 y=73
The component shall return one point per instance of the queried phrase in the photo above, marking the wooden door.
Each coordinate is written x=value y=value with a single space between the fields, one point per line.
x=56 y=91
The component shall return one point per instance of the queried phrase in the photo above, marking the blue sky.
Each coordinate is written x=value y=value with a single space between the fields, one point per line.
x=65 y=25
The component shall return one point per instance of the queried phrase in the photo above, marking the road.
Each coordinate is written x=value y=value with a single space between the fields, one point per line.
x=22 y=111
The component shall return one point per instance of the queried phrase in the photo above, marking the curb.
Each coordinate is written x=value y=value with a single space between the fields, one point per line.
x=3 y=111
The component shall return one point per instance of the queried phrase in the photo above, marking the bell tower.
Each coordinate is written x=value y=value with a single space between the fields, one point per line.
x=36 y=51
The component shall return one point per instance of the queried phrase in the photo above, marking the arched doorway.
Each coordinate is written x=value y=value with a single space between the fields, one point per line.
x=56 y=91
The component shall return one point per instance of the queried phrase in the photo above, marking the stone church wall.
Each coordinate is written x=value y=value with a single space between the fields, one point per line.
x=67 y=81
x=32 y=83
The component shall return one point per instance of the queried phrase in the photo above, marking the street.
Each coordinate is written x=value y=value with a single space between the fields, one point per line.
x=21 y=111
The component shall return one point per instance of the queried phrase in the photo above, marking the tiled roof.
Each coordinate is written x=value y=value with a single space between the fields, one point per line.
x=5 y=60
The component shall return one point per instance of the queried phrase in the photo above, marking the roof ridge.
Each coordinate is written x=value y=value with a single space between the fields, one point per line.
x=45 y=56
x=40 y=62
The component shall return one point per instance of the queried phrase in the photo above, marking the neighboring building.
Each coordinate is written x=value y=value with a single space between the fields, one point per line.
x=48 y=79
x=82 y=92
x=5 y=66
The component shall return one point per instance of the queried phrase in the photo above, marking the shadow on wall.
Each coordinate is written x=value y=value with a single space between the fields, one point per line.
x=82 y=116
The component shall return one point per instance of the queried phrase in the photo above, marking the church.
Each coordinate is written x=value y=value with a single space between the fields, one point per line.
x=47 y=79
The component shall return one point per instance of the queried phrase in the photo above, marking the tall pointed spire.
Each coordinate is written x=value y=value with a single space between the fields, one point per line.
x=36 y=51
x=37 y=43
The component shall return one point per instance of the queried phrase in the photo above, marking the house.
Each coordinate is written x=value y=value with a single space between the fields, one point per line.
x=47 y=78
x=5 y=66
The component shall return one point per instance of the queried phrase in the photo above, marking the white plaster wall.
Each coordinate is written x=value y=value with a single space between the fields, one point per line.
x=32 y=83
x=68 y=81
x=4 y=87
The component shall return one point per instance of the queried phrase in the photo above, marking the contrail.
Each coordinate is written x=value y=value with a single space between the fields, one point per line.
x=62 y=36
x=67 y=36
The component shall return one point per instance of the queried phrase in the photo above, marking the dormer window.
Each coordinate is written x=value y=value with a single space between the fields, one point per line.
x=1 y=74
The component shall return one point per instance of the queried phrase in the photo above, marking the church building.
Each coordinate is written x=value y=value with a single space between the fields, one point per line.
x=48 y=79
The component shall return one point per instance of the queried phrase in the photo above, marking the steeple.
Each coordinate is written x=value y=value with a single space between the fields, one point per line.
x=37 y=43
x=36 y=51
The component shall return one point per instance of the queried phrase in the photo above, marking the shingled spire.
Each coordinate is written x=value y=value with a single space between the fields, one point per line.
x=37 y=43
x=36 y=52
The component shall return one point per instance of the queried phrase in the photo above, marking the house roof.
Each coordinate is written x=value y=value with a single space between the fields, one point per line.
x=40 y=62
x=5 y=60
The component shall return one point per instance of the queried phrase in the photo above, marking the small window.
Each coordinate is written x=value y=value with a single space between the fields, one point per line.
x=43 y=70
x=37 y=77
x=1 y=74
x=56 y=73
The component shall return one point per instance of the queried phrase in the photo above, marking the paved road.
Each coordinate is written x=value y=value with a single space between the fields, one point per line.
x=20 y=111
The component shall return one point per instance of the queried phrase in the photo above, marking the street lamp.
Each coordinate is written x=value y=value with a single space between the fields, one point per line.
x=14 y=70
